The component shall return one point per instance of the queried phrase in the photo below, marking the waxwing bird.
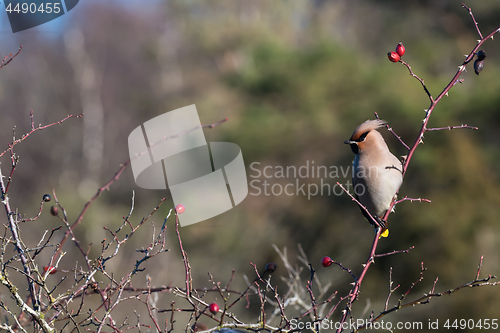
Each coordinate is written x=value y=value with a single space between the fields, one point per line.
x=376 y=172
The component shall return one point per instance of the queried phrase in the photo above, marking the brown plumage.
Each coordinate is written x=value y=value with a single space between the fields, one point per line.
x=377 y=173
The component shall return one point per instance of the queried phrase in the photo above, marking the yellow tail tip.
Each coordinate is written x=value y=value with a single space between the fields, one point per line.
x=384 y=233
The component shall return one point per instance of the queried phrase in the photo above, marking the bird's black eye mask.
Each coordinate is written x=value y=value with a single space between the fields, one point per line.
x=362 y=137
x=354 y=146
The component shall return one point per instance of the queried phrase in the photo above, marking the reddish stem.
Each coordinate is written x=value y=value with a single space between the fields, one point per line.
x=355 y=290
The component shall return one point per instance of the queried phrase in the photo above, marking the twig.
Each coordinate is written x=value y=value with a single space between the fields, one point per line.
x=243 y=294
x=17 y=242
x=375 y=222
x=149 y=307
x=394 y=252
x=451 y=127
x=355 y=290
x=345 y=269
x=411 y=200
x=421 y=277
x=14 y=160
x=420 y=80
x=426 y=298
x=391 y=130
x=9 y=58
x=33 y=129
x=390 y=290
x=479 y=267
x=311 y=294
x=473 y=19
x=34 y=218
x=434 y=102
x=117 y=176
x=187 y=268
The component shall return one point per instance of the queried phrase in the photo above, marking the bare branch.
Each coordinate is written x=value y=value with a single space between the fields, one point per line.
x=394 y=252
x=391 y=130
x=411 y=200
x=33 y=130
x=419 y=80
x=9 y=58
x=451 y=127
x=375 y=221
x=473 y=19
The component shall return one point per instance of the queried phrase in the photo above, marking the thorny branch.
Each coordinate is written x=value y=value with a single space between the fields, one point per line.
x=477 y=282
x=117 y=176
x=411 y=150
x=33 y=130
x=85 y=283
x=50 y=306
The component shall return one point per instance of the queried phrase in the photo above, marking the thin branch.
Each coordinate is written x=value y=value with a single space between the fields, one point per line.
x=390 y=130
x=426 y=298
x=411 y=200
x=187 y=267
x=391 y=290
x=394 y=252
x=345 y=269
x=355 y=290
x=34 y=218
x=419 y=80
x=479 y=267
x=150 y=311
x=18 y=243
x=9 y=58
x=434 y=102
x=33 y=130
x=309 y=285
x=117 y=176
x=375 y=222
x=451 y=127
x=473 y=19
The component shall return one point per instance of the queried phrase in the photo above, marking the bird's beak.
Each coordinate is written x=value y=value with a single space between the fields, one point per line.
x=348 y=142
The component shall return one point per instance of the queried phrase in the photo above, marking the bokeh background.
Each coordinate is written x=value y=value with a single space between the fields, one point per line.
x=294 y=78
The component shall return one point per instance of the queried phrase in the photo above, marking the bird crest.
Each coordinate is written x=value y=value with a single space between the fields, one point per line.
x=367 y=126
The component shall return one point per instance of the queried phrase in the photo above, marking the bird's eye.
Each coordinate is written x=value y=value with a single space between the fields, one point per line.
x=362 y=137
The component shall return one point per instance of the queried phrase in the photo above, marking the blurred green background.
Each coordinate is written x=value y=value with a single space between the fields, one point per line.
x=294 y=78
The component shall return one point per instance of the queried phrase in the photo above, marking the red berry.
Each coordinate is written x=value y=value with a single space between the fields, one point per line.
x=180 y=208
x=400 y=49
x=51 y=269
x=326 y=261
x=213 y=307
x=54 y=210
x=393 y=56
